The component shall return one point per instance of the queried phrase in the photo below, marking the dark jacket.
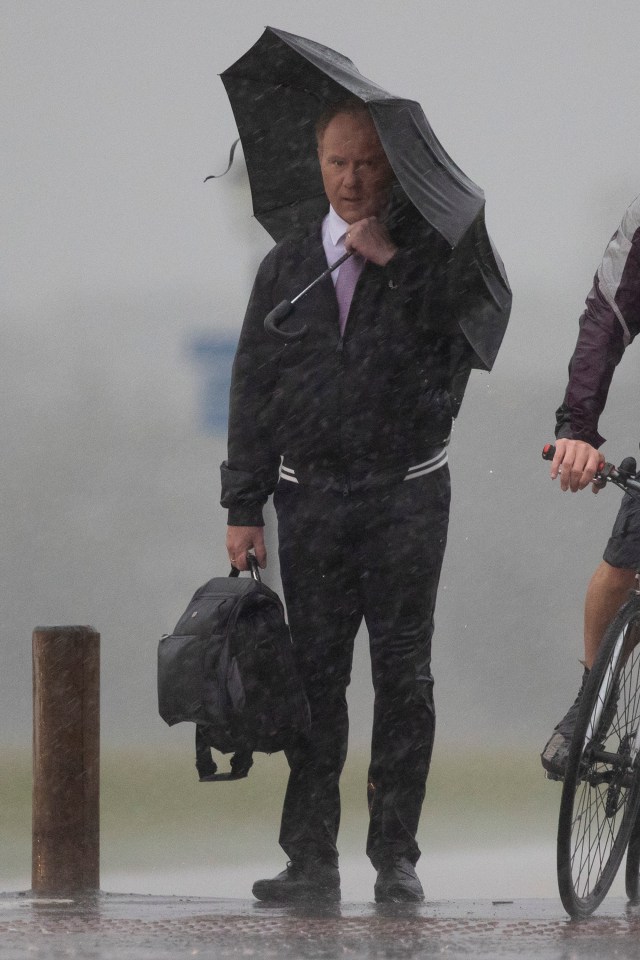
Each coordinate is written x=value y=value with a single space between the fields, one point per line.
x=350 y=412
x=608 y=325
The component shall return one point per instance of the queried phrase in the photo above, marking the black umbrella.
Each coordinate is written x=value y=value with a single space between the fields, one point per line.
x=277 y=90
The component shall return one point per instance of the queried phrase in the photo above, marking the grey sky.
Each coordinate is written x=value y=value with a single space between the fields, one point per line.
x=114 y=114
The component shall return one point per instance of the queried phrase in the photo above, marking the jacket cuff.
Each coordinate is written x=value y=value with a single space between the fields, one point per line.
x=564 y=432
x=244 y=494
x=246 y=515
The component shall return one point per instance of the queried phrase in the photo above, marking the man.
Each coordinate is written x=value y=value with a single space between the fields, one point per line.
x=349 y=426
x=609 y=323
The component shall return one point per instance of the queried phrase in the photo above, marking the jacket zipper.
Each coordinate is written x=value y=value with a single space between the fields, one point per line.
x=346 y=485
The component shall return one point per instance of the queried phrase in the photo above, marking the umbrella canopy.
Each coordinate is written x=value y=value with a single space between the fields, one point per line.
x=277 y=91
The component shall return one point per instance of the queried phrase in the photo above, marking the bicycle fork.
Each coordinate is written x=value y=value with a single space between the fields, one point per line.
x=605 y=690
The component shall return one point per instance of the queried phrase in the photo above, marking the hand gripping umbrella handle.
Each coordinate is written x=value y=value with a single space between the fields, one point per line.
x=285 y=307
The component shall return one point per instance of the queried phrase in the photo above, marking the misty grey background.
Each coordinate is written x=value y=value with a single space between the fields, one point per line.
x=116 y=256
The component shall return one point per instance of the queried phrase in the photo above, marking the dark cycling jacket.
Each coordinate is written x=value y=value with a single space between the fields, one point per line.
x=350 y=412
x=609 y=323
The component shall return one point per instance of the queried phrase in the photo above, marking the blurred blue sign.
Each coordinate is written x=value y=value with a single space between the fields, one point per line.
x=214 y=356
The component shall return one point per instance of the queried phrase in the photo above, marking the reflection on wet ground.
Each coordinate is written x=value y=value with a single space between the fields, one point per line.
x=153 y=928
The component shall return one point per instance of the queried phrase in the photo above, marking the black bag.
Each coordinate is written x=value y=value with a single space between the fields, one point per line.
x=228 y=667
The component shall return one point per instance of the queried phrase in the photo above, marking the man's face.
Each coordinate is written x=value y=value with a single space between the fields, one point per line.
x=355 y=170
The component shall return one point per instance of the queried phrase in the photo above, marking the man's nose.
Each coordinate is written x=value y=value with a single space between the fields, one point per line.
x=351 y=175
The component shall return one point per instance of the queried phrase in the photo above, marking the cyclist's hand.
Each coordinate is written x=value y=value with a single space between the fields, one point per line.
x=576 y=463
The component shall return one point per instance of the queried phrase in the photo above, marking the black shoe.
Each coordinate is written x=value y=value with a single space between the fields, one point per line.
x=556 y=750
x=397 y=882
x=312 y=881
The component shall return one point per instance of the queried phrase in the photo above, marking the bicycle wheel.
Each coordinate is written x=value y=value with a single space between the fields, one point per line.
x=632 y=873
x=601 y=790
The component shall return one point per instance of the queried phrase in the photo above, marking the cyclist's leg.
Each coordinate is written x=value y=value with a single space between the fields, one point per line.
x=614 y=577
x=607 y=591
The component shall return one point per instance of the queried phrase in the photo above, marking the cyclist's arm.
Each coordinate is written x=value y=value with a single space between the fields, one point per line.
x=609 y=323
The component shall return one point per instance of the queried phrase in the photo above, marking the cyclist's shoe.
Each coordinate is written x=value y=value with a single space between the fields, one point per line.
x=556 y=750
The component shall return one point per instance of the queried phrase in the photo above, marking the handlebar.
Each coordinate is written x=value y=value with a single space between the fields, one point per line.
x=624 y=476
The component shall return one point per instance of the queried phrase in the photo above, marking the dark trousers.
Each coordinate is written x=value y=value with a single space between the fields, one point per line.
x=375 y=555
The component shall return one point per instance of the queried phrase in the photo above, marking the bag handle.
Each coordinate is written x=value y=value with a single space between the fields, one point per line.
x=254 y=569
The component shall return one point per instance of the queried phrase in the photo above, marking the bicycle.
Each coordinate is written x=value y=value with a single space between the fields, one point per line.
x=600 y=799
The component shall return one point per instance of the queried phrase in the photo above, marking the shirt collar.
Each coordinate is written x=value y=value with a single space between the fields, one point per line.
x=337 y=226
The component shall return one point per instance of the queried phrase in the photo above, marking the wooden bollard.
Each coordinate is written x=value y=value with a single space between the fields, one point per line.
x=66 y=761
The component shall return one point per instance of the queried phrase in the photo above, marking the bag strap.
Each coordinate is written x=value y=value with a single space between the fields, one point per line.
x=241 y=762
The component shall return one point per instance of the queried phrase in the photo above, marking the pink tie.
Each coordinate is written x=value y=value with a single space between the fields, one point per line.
x=348 y=275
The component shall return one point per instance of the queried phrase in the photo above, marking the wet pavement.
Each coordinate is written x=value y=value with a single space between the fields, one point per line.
x=135 y=927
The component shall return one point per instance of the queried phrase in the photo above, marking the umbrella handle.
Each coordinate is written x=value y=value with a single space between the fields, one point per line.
x=279 y=313
x=285 y=307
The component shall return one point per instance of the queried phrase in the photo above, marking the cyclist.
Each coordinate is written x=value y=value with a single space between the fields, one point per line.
x=608 y=324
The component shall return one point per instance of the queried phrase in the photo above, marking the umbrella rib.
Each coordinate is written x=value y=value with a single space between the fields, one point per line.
x=276 y=85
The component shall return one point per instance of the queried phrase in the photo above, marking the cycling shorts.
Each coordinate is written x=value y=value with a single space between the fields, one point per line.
x=623 y=548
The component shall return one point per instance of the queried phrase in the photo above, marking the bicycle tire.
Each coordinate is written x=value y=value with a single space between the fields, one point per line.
x=632 y=870
x=601 y=790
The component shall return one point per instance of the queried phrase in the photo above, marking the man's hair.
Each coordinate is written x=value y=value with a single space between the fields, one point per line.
x=350 y=106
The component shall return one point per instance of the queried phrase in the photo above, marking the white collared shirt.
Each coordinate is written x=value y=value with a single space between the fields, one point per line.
x=334 y=230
